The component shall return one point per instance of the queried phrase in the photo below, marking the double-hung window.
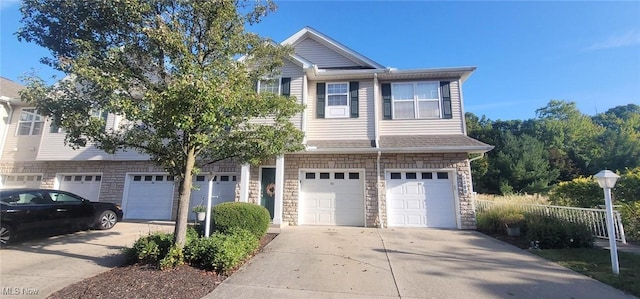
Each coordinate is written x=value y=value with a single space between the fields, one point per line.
x=416 y=100
x=337 y=100
x=269 y=85
x=30 y=122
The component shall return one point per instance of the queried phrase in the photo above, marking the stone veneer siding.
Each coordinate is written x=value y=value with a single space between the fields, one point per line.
x=113 y=174
x=295 y=162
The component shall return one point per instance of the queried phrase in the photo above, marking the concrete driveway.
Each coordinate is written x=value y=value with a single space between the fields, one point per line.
x=37 y=268
x=323 y=262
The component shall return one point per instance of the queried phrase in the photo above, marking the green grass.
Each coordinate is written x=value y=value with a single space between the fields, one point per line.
x=596 y=263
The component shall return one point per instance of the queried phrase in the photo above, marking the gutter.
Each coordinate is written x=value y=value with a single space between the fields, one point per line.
x=378 y=187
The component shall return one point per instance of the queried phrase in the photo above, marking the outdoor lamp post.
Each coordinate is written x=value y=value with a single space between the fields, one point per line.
x=607 y=180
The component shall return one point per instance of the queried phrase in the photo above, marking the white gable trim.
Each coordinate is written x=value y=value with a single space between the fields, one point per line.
x=331 y=43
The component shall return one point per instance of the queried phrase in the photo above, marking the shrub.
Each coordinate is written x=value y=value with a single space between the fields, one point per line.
x=173 y=258
x=580 y=192
x=150 y=249
x=493 y=220
x=230 y=215
x=552 y=232
x=627 y=188
x=630 y=214
x=222 y=251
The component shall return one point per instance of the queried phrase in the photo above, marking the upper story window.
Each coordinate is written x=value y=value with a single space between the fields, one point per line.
x=416 y=100
x=269 y=85
x=30 y=122
x=337 y=100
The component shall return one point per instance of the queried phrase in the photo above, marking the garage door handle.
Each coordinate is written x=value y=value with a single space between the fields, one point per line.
x=61 y=210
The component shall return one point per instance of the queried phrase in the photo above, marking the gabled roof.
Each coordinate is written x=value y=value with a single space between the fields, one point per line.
x=9 y=90
x=308 y=32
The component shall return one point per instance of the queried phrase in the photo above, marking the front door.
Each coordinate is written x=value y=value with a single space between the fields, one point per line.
x=268 y=189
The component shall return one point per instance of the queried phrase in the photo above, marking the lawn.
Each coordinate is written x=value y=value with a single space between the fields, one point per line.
x=596 y=263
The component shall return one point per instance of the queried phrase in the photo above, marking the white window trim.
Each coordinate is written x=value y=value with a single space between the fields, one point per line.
x=416 y=100
x=32 y=122
x=327 y=106
x=279 y=79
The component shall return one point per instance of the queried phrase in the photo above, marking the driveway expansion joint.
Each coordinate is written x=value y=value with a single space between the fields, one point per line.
x=386 y=254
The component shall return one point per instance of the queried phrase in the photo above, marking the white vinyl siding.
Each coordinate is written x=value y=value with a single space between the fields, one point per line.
x=360 y=128
x=322 y=56
x=430 y=126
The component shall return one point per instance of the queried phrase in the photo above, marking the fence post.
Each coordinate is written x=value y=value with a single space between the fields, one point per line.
x=620 y=227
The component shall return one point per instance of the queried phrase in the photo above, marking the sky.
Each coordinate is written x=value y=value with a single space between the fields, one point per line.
x=526 y=53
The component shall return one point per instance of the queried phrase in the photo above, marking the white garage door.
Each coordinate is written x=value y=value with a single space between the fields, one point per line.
x=420 y=199
x=149 y=196
x=85 y=185
x=224 y=190
x=21 y=180
x=332 y=198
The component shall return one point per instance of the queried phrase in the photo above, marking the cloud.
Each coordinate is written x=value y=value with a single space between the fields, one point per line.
x=617 y=41
x=8 y=3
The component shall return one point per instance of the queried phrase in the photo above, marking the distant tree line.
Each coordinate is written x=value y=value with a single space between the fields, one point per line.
x=559 y=144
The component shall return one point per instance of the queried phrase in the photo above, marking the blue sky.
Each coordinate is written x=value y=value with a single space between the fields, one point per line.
x=527 y=53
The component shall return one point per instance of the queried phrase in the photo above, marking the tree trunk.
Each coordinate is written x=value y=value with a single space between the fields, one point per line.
x=180 y=231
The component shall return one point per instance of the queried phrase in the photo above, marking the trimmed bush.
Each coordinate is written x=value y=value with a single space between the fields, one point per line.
x=150 y=249
x=230 y=215
x=222 y=251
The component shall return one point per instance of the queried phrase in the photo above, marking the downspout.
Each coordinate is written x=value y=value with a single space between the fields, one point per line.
x=377 y=142
x=303 y=121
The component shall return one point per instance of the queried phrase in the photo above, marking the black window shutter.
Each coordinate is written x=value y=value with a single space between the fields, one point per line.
x=386 y=100
x=320 y=98
x=353 y=94
x=446 y=99
x=285 y=86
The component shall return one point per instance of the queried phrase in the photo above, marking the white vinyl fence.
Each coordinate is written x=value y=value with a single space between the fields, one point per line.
x=595 y=219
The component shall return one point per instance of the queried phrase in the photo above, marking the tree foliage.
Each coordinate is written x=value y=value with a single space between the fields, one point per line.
x=560 y=144
x=170 y=68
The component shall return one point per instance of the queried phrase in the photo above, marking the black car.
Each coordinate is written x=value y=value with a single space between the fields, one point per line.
x=36 y=210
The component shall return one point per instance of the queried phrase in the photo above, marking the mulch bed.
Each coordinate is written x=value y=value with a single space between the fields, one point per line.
x=142 y=281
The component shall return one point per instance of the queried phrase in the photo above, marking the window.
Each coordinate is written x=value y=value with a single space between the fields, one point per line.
x=337 y=100
x=269 y=85
x=415 y=100
x=310 y=175
x=443 y=176
x=411 y=175
x=64 y=197
x=354 y=176
x=396 y=176
x=324 y=175
x=30 y=122
x=338 y=176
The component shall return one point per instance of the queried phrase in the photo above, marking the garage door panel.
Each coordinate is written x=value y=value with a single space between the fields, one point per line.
x=149 y=197
x=330 y=197
x=426 y=202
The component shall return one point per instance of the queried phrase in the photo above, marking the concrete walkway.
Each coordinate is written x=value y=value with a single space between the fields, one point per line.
x=37 y=268
x=344 y=262
x=604 y=243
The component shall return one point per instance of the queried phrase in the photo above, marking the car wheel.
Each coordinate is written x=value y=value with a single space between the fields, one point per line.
x=107 y=220
x=6 y=234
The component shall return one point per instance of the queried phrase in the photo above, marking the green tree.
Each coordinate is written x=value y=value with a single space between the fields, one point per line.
x=522 y=165
x=571 y=137
x=621 y=140
x=170 y=68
